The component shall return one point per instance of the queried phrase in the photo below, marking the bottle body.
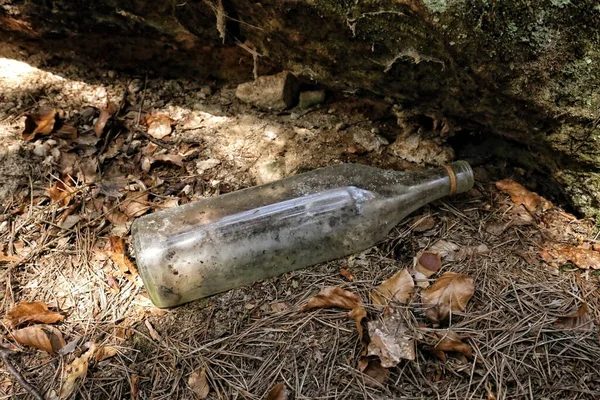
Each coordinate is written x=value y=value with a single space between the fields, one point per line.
x=220 y=243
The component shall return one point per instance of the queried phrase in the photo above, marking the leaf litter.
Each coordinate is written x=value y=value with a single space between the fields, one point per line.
x=511 y=296
x=27 y=312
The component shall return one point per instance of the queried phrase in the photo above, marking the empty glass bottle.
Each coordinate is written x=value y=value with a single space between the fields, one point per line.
x=220 y=243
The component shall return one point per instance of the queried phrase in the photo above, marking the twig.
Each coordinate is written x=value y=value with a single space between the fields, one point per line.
x=5 y=354
x=139 y=116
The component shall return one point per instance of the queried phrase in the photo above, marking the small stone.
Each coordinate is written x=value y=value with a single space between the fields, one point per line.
x=40 y=150
x=270 y=92
x=112 y=74
x=382 y=140
x=135 y=86
x=311 y=98
x=205 y=91
x=341 y=126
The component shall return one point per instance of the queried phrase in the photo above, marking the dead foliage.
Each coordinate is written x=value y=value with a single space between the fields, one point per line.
x=43 y=337
x=449 y=294
x=340 y=298
x=278 y=392
x=27 y=312
x=399 y=288
x=199 y=384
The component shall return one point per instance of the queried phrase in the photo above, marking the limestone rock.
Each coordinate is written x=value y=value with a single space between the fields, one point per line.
x=271 y=92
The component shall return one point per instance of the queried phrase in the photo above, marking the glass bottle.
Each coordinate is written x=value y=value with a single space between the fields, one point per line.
x=216 y=244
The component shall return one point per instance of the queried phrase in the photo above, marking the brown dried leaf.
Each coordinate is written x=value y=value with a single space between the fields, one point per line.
x=449 y=341
x=25 y=312
x=335 y=296
x=135 y=204
x=199 y=384
x=520 y=195
x=470 y=251
x=175 y=159
x=423 y=224
x=40 y=123
x=135 y=386
x=347 y=274
x=428 y=263
x=117 y=254
x=67 y=132
x=153 y=334
x=115 y=217
x=278 y=392
x=105 y=114
x=450 y=293
x=43 y=337
x=376 y=372
x=563 y=253
x=75 y=372
x=159 y=124
x=389 y=340
x=445 y=249
x=579 y=320
x=399 y=288
x=61 y=193
x=9 y=259
x=105 y=352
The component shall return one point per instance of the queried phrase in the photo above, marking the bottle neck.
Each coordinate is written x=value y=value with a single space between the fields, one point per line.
x=417 y=189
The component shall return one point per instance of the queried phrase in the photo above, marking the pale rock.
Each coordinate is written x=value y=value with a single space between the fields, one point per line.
x=270 y=92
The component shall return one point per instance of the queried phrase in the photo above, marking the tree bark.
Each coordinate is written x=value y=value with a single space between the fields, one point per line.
x=523 y=70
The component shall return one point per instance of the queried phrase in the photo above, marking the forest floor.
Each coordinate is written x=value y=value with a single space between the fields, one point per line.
x=70 y=192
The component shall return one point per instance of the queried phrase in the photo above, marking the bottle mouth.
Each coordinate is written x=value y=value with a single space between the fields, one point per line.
x=461 y=177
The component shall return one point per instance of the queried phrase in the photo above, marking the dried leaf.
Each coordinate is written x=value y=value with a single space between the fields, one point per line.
x=43 y=337
x=168 y=203
x=61 y=193
x=428 y=263
x=135 y=386
x=40 y=123
x=347 y=274
x=67 y=132
x=278 y=392
x=563 y=253
x=423 y=224
x=279 y=307
x=335 y=296
x=199 y=384
x=159 y=124
x=449 y=341
x=9 y=259
x=70 y=222
x=105 y=114
x=135 y=204
x=26 y=312
x=75 y=372
x=153 y=334
x=105 y=352
x=376 y=372
x=470 y=251
x=399 y=288
x=389 y=340
x=579 y=320
x=115 y=217
x=450 y=293
x=117 y=254
x=445 y=249
x=175 y=159
x=519 y=195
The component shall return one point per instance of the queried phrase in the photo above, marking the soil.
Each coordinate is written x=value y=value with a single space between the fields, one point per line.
x=251 y=338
